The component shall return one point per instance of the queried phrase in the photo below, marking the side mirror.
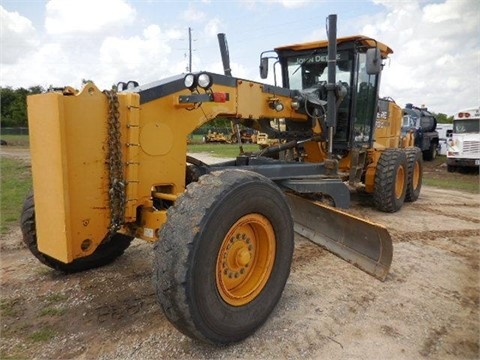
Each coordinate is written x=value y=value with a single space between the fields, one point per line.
x=374 y=61
x=264 y=67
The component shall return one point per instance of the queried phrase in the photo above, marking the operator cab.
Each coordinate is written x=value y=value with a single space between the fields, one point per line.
x=304 y=66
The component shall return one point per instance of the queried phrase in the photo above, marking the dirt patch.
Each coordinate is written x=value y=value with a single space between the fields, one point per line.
x=428 y=307
x=15 y=152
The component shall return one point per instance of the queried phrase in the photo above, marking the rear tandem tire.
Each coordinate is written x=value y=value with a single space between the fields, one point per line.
x=451 y=168
x=103 y=254
x=431 y=153
x=224 y=256
x=390 y=180
x=415 y=173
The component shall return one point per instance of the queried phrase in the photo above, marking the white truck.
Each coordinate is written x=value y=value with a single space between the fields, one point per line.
x=463 y=149
x=444 y=134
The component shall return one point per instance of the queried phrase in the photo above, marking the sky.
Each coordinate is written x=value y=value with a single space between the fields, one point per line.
x=436 y=43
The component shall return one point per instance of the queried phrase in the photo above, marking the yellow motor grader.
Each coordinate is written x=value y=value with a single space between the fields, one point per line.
x=215 y=137
x=115 y=167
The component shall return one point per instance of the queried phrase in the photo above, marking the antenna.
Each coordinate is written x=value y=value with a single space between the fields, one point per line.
x=189 y=49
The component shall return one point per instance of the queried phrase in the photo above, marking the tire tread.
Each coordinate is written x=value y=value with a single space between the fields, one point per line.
x=385 y=176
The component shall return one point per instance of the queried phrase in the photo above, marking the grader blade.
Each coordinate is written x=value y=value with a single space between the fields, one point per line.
x=362 y=243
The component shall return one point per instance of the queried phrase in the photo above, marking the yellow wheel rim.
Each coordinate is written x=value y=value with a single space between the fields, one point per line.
x=245 y=259
x=416 y=175
x=399 y=182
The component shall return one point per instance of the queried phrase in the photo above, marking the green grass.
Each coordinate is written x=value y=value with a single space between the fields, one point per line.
x=453 y=184
x=16 y=140
x=7 y=308
x=42 y=335
x=55 y=298
x=16 y=181
x=49 y=311
x=196 y=138
x=222 y=150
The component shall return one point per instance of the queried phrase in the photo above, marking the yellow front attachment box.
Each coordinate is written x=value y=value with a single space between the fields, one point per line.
x=68 y=146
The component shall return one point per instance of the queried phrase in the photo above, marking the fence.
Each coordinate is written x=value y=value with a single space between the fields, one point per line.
x=14 y=131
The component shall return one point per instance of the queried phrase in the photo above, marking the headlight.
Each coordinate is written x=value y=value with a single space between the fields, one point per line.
x=204 y=81
x=279 y=106
x=122 y=86
x=189 y=81
x=131 y=85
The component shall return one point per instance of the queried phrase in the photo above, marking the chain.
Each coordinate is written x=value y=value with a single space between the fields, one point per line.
x=116 y=191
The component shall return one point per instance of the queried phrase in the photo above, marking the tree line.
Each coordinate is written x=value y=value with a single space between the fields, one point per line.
x=443 y=118
x=14 y=107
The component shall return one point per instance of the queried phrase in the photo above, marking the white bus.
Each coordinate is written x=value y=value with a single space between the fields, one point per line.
x=463 y=149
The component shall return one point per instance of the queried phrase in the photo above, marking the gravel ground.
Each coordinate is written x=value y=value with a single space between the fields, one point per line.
x=428 y=307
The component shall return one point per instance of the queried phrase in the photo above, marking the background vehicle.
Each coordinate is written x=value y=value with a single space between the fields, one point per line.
x=214 y=137
x=117 y=170
x=262 y=138
x=423 y=124
x=463 y=149
x=246 y=135
x=444 y=134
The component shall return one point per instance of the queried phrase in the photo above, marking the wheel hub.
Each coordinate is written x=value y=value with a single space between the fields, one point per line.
x=243 y=257
x=237 y=256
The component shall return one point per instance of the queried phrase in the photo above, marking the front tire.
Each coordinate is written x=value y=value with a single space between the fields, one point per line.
x=104 y=254
x=224 y=256
x=390 y=180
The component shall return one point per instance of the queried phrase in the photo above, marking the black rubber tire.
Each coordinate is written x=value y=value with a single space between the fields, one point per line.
x=414 y=163
x=103 y=255
x=451 y=168
x=391 y=162
x=431 y=153
x=186 y=255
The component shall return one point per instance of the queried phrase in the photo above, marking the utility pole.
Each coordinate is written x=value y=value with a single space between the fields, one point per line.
x=189 y=49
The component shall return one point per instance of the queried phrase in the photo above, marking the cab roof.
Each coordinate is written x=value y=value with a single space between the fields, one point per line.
x=364 y=40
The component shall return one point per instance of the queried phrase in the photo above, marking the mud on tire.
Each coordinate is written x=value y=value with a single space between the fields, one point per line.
x=196 y=283
x=390 y=180
x=103 y=255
